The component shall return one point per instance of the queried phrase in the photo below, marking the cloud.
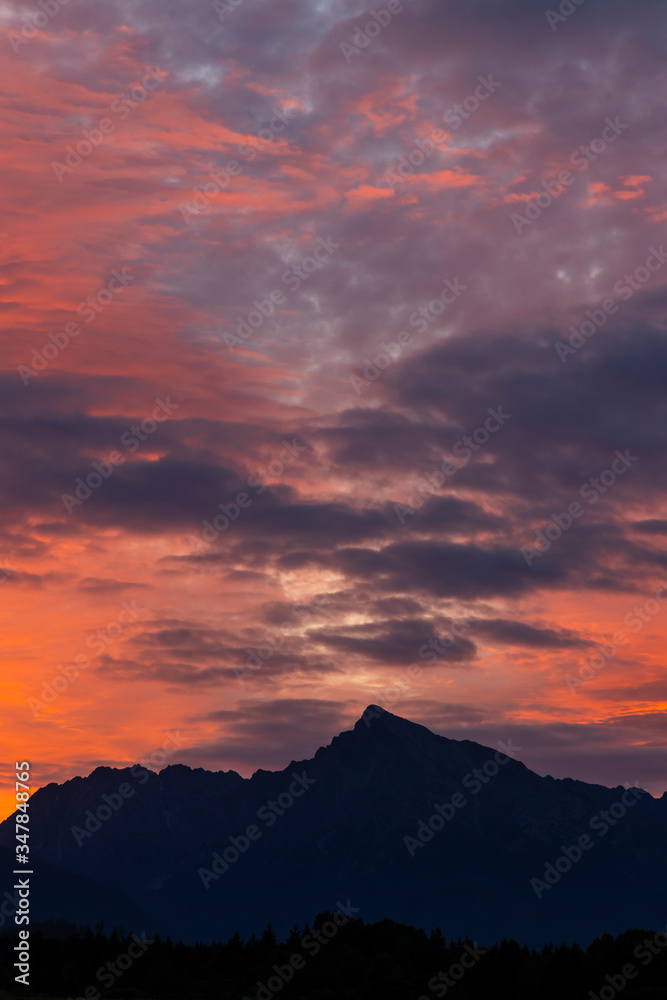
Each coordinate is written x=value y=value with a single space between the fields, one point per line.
x=392 y=642
x=520 y=634
x=327 y=523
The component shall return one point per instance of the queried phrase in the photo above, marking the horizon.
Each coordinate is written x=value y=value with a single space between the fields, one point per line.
x=177 y=763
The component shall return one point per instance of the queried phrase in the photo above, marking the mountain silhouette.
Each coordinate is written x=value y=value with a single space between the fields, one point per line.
x=389 y=818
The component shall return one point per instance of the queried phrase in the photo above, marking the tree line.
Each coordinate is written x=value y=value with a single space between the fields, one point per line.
x=354 y=961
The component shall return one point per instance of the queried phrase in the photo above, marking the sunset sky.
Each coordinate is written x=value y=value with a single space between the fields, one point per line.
x=275 y=203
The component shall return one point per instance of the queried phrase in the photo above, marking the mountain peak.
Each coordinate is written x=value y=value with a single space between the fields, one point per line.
x=373 y=711
x=374 y=715
x=404 y=817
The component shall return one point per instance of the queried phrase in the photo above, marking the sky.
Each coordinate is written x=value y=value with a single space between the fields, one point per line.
x=269 y=270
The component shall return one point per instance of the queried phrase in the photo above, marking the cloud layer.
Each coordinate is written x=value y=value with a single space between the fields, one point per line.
x=317 y=366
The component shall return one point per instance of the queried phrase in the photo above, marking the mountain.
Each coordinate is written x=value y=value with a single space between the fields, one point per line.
x=204 y=854
x=75 y=898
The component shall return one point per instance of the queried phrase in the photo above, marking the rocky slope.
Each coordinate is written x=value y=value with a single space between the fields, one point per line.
x=207 y=853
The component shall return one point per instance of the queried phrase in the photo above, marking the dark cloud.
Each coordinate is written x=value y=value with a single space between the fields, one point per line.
x=646 y=692
x=462 y=571
x=94 y=585
x=188 y=654
x=396 y=642
x=281 y=730
x=652 y=526
x=521 y=634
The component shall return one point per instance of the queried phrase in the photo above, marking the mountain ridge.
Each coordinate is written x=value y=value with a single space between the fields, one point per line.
x=419 y=827
x=369 y=713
